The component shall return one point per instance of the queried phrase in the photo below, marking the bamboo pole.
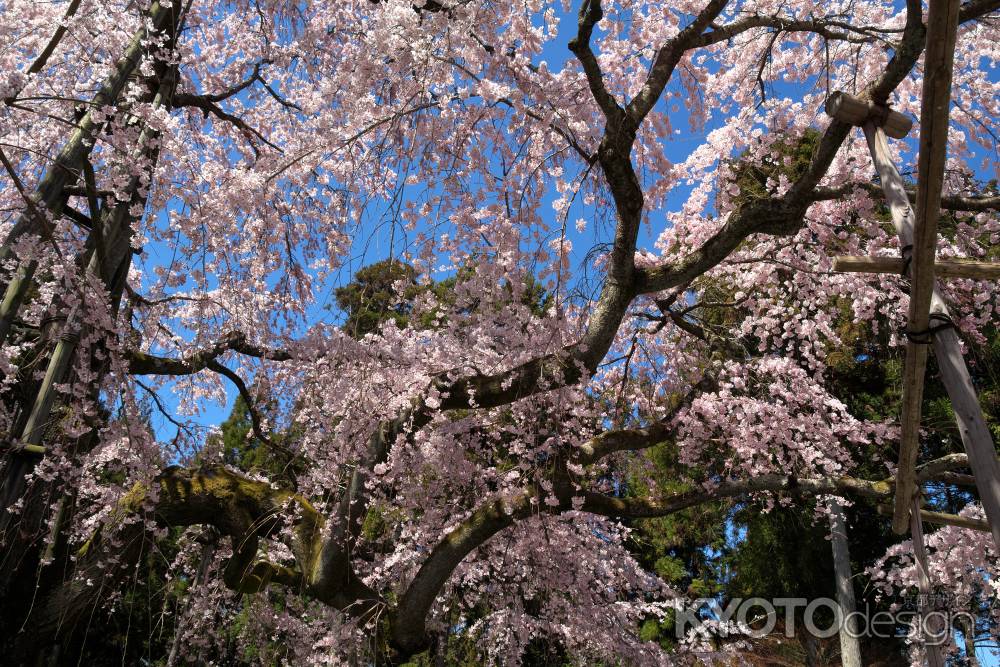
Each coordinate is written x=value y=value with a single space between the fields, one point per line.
x=944 y=268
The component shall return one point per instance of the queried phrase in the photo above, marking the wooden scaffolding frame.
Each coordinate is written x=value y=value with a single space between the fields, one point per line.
x=929 y=322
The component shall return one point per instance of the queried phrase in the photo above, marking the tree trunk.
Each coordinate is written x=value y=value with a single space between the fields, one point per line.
x=44 y=605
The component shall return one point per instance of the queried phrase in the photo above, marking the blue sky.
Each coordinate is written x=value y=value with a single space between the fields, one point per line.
x=376 y=243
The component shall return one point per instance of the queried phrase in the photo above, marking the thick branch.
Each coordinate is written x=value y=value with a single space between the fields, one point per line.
x=977 y=9
x=784 y=215
x=343 y=532
x=968 y=203
x=208 y=106
x=590 y=14
x=609 y=442
x=825 y=28
x=241 y=508
x=232 y=90
x=777 y=216
x=780 y=215
x=255 y=421
x=409 y=635
x=141 y=363
x=666 y=60
x=947 y=463
x=246 y=510
x=642 y=508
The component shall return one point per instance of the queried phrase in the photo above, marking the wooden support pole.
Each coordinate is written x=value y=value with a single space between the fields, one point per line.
x=944 y=268
x=932 y=649
x=976 y=437
x=850 y=648
x=972 y=427
x=916 y=354
x=944 y=519
x=935 y=104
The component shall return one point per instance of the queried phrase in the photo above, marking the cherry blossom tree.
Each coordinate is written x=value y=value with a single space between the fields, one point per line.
x=185 y=181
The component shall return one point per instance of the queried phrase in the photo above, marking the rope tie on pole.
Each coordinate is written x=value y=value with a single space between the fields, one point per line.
x=70 y=336
x=880 y=113
x=926 y=337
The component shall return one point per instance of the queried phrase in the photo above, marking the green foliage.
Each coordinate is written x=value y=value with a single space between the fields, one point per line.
x=244 y=451
x=790 y=158
x=387 y=290
x=380 y=292
x=784 y=553
x=681 y=548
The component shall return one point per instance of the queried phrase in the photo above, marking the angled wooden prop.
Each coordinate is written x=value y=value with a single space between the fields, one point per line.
x=918 y=239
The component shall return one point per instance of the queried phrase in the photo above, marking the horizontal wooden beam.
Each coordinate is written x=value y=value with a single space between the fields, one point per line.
x=19 y=448
x=943 y=519
x=944 y=268
x=958 y=479
x=856 y=111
